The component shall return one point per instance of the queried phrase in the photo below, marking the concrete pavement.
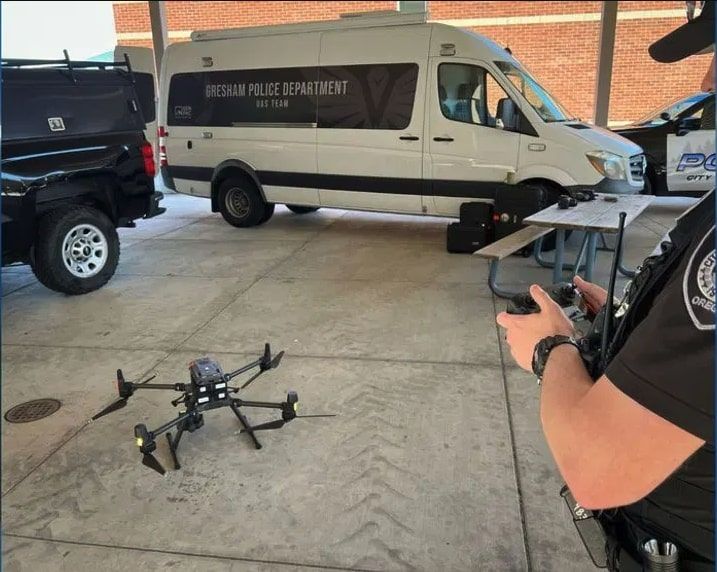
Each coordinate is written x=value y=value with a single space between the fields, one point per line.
x=436 y=460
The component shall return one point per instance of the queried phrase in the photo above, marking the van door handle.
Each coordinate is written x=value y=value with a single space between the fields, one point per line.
x=446 y=139
x=408 y=138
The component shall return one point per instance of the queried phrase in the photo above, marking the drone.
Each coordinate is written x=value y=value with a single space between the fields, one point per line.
x=207 y=389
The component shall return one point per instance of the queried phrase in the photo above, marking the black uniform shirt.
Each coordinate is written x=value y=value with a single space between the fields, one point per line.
x=667 y=365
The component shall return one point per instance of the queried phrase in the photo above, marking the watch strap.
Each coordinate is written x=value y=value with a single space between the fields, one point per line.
x=543 y=349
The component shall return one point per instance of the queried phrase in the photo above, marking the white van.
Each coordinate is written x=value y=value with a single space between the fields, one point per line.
x=378 y=111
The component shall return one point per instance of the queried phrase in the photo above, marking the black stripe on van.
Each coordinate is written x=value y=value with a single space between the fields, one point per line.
x=363 y=184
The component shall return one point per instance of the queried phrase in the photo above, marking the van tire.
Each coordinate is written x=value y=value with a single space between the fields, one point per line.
x=241 y=203
x=60 y=236
x=269 y=213
x=298 y=209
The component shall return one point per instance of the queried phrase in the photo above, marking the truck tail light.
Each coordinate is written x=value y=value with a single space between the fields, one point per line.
x=148 y=156
x=161 y=134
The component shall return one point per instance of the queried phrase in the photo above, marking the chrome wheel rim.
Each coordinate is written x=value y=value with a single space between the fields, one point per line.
x=237 y=203
x=84 y=250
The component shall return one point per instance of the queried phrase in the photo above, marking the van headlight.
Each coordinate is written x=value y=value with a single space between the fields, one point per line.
x=607 y=164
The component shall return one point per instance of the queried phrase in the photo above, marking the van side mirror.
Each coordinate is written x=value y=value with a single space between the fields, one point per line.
x=506 y=115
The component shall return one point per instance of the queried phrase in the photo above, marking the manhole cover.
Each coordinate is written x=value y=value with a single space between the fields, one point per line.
x=32 y=410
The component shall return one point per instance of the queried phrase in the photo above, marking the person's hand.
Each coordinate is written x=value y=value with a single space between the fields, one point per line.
x=523 y=332
x=593 y=295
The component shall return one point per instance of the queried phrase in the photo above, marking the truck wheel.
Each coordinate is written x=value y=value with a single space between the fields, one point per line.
x=298 y=209
x=242 y=205
x=76 y=250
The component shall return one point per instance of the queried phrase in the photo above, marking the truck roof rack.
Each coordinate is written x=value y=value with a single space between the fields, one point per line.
x=375 y=19
x=67 y=64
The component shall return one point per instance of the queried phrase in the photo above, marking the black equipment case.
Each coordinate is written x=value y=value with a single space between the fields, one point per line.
x=513 y=204
x=474 y=231
x=466 y=239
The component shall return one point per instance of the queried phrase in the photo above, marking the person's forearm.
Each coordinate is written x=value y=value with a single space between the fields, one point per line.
x=565 y=383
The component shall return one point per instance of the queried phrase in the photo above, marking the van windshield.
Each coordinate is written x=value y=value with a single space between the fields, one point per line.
x=544 y=104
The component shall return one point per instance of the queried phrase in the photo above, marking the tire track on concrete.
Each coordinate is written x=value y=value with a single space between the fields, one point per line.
x=381 y=486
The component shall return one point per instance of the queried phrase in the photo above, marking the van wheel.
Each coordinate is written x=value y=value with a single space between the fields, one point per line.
x=298 y=209
x=269 y=213
x=242 y=205
x=76 y=251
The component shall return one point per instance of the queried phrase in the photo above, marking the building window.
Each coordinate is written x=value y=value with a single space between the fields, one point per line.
x=412 y=7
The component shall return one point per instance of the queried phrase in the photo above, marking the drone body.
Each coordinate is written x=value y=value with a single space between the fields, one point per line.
x=208 y=389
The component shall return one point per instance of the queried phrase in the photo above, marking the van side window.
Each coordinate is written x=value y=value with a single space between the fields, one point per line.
x=469 y=94
x=373 y=96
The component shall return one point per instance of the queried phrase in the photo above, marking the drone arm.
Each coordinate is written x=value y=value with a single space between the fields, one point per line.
x=173 y=386
x=167 y=426
x=265 y=404
x=265 y=363
x=243 y=369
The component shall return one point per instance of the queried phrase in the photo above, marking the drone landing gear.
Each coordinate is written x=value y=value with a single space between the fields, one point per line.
x=245 y=423
x=190 y=424
x=173 y=444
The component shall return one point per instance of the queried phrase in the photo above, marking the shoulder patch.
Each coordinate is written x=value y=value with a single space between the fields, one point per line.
x=698 y=284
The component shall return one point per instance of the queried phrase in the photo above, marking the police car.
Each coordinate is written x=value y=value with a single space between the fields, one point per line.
x=679 y=144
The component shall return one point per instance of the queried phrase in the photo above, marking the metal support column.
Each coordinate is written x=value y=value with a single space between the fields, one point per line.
x=158 y=22
x=608 y=23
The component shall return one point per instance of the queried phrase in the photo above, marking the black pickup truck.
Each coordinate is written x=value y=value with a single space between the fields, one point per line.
x=75 y=166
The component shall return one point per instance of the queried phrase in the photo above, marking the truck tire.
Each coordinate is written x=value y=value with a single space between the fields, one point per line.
x=241 y=203
x=76 y=250
x=298 y=209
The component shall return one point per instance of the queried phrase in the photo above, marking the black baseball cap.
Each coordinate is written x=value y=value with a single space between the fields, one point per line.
x=691 y=38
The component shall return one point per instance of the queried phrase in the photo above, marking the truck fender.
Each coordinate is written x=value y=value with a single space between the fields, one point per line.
x=222 y=171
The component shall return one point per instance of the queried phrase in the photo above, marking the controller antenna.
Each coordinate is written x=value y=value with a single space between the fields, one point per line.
x=609 y=303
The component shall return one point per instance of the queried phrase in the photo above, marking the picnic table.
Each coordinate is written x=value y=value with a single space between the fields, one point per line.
x=594 y=218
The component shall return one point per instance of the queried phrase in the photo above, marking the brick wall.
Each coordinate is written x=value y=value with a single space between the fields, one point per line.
x=561 y=54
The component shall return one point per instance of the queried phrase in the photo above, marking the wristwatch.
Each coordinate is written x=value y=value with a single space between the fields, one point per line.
x=544 y=347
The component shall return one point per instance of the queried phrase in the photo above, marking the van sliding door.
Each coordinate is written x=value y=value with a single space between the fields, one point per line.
x=370 y=121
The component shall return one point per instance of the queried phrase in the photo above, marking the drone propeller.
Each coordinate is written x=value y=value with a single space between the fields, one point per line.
x=149 y=460
x=273 y=364
x=277 y=424
x=270 y=364
x=114 y=406
x=125 y=390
